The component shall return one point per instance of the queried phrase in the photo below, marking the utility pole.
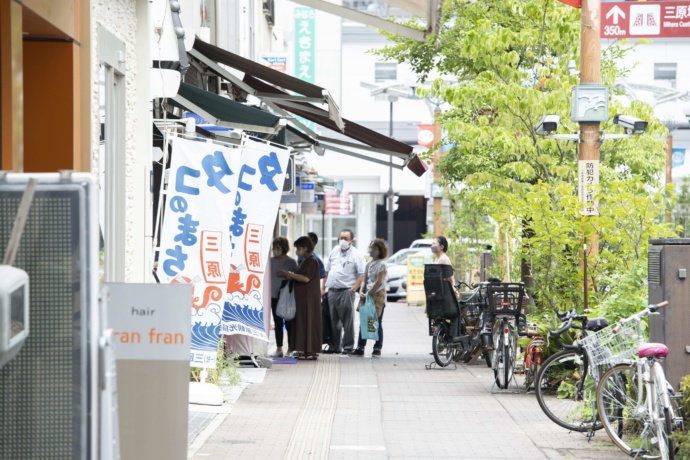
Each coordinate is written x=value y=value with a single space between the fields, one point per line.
x=590 y=72
x=391 y=100
x=438 y=200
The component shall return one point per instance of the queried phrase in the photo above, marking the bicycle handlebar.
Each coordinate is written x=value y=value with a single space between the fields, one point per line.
x=567 y=317
x=637 y=316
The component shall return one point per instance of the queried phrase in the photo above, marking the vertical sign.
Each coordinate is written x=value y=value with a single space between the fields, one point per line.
x=305 y=34
x=588 y=181
x=415 y=280
x=195 y=241
x=256 y=202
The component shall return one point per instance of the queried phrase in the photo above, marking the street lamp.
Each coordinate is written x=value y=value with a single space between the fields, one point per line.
x=390 y=92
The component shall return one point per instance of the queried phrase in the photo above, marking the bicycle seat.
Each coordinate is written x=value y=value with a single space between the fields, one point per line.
x=656 y=350
x=597 y=324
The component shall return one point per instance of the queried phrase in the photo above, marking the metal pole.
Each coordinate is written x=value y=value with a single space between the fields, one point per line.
x=390 y=184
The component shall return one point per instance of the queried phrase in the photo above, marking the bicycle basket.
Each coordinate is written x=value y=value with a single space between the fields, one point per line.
x=506 y=298
x=606 y=348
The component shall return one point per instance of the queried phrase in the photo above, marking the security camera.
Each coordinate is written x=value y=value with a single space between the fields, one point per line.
x=631 y=125
x=548 y=124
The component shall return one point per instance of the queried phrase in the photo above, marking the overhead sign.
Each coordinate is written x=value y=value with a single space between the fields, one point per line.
x=645 y=19
x=307 y=192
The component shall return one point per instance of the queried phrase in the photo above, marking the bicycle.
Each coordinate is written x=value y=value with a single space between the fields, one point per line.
x=445 y=322
x=565 y=384
x=534 y=354
x=505 y=304
x=635 y=402
x=475 y=317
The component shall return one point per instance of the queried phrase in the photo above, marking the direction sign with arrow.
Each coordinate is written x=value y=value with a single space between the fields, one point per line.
x=616 y=13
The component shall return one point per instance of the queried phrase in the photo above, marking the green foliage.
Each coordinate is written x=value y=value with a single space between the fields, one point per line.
x=511 y=60
x=225 y=373
x=682 y=438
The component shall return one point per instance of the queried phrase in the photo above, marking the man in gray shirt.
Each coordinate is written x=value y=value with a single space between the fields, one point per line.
x=344 y=275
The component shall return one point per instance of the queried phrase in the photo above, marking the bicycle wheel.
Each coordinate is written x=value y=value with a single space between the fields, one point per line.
x=630 y=425
x=441 y=347
x=508 y=358
x=498 y=359
x=566 y=391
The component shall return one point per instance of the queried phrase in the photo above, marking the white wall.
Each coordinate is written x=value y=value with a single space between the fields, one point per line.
x=120 y=18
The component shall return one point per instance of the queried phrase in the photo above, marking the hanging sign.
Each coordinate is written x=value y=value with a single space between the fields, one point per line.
x=195 y=243
x=253 y=218
x=678 y=157
x=425 y=135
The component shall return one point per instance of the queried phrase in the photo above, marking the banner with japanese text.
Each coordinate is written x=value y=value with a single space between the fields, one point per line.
x=195 y=245
x=259 y=188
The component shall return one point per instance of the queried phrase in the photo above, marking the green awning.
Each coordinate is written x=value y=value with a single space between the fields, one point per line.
x=222 y=111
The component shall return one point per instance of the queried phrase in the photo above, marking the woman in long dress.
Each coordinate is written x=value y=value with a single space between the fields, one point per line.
x=307 y=326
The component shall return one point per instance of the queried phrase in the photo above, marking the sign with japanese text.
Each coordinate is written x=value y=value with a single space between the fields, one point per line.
x=587 y=184
x=665 y=19
x=305 y=48
x=256 y=202
x=195 y=245
x=415 y=280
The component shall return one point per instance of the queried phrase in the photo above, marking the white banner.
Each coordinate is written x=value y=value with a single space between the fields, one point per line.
x=195 y=243
x=259 y=188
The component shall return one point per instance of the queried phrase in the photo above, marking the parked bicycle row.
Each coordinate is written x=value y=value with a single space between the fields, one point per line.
x=586 y=374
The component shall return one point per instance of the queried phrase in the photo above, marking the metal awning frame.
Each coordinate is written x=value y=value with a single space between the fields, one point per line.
x=361 y=156
x=217 y=121
x=333 y=109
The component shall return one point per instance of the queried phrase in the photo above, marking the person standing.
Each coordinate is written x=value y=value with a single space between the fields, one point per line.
x=375 y=285
x=344 y=276
x=280 y=261
x=306 y=327
x=315 y=239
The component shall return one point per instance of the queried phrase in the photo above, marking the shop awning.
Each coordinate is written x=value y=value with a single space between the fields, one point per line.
x=429 y=11
x=368 y=140
x=264 y=83
x=222 y=111
x=303 y=91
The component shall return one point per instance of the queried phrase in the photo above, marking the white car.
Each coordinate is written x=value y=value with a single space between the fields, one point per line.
x=396 y=283
x=423 y=243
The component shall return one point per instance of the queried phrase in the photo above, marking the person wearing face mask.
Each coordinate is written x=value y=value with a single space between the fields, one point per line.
x=344 y=276
x=306 y=330
x=375 y=285
x=280 y=262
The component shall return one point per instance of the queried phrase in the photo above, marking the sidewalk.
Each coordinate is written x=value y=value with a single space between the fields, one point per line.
x=392 y=407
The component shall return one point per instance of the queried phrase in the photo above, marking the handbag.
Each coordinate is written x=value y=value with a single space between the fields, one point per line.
x=368 y=320
x=286 y=307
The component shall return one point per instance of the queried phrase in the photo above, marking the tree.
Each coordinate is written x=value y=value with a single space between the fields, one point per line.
x=511 y=59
